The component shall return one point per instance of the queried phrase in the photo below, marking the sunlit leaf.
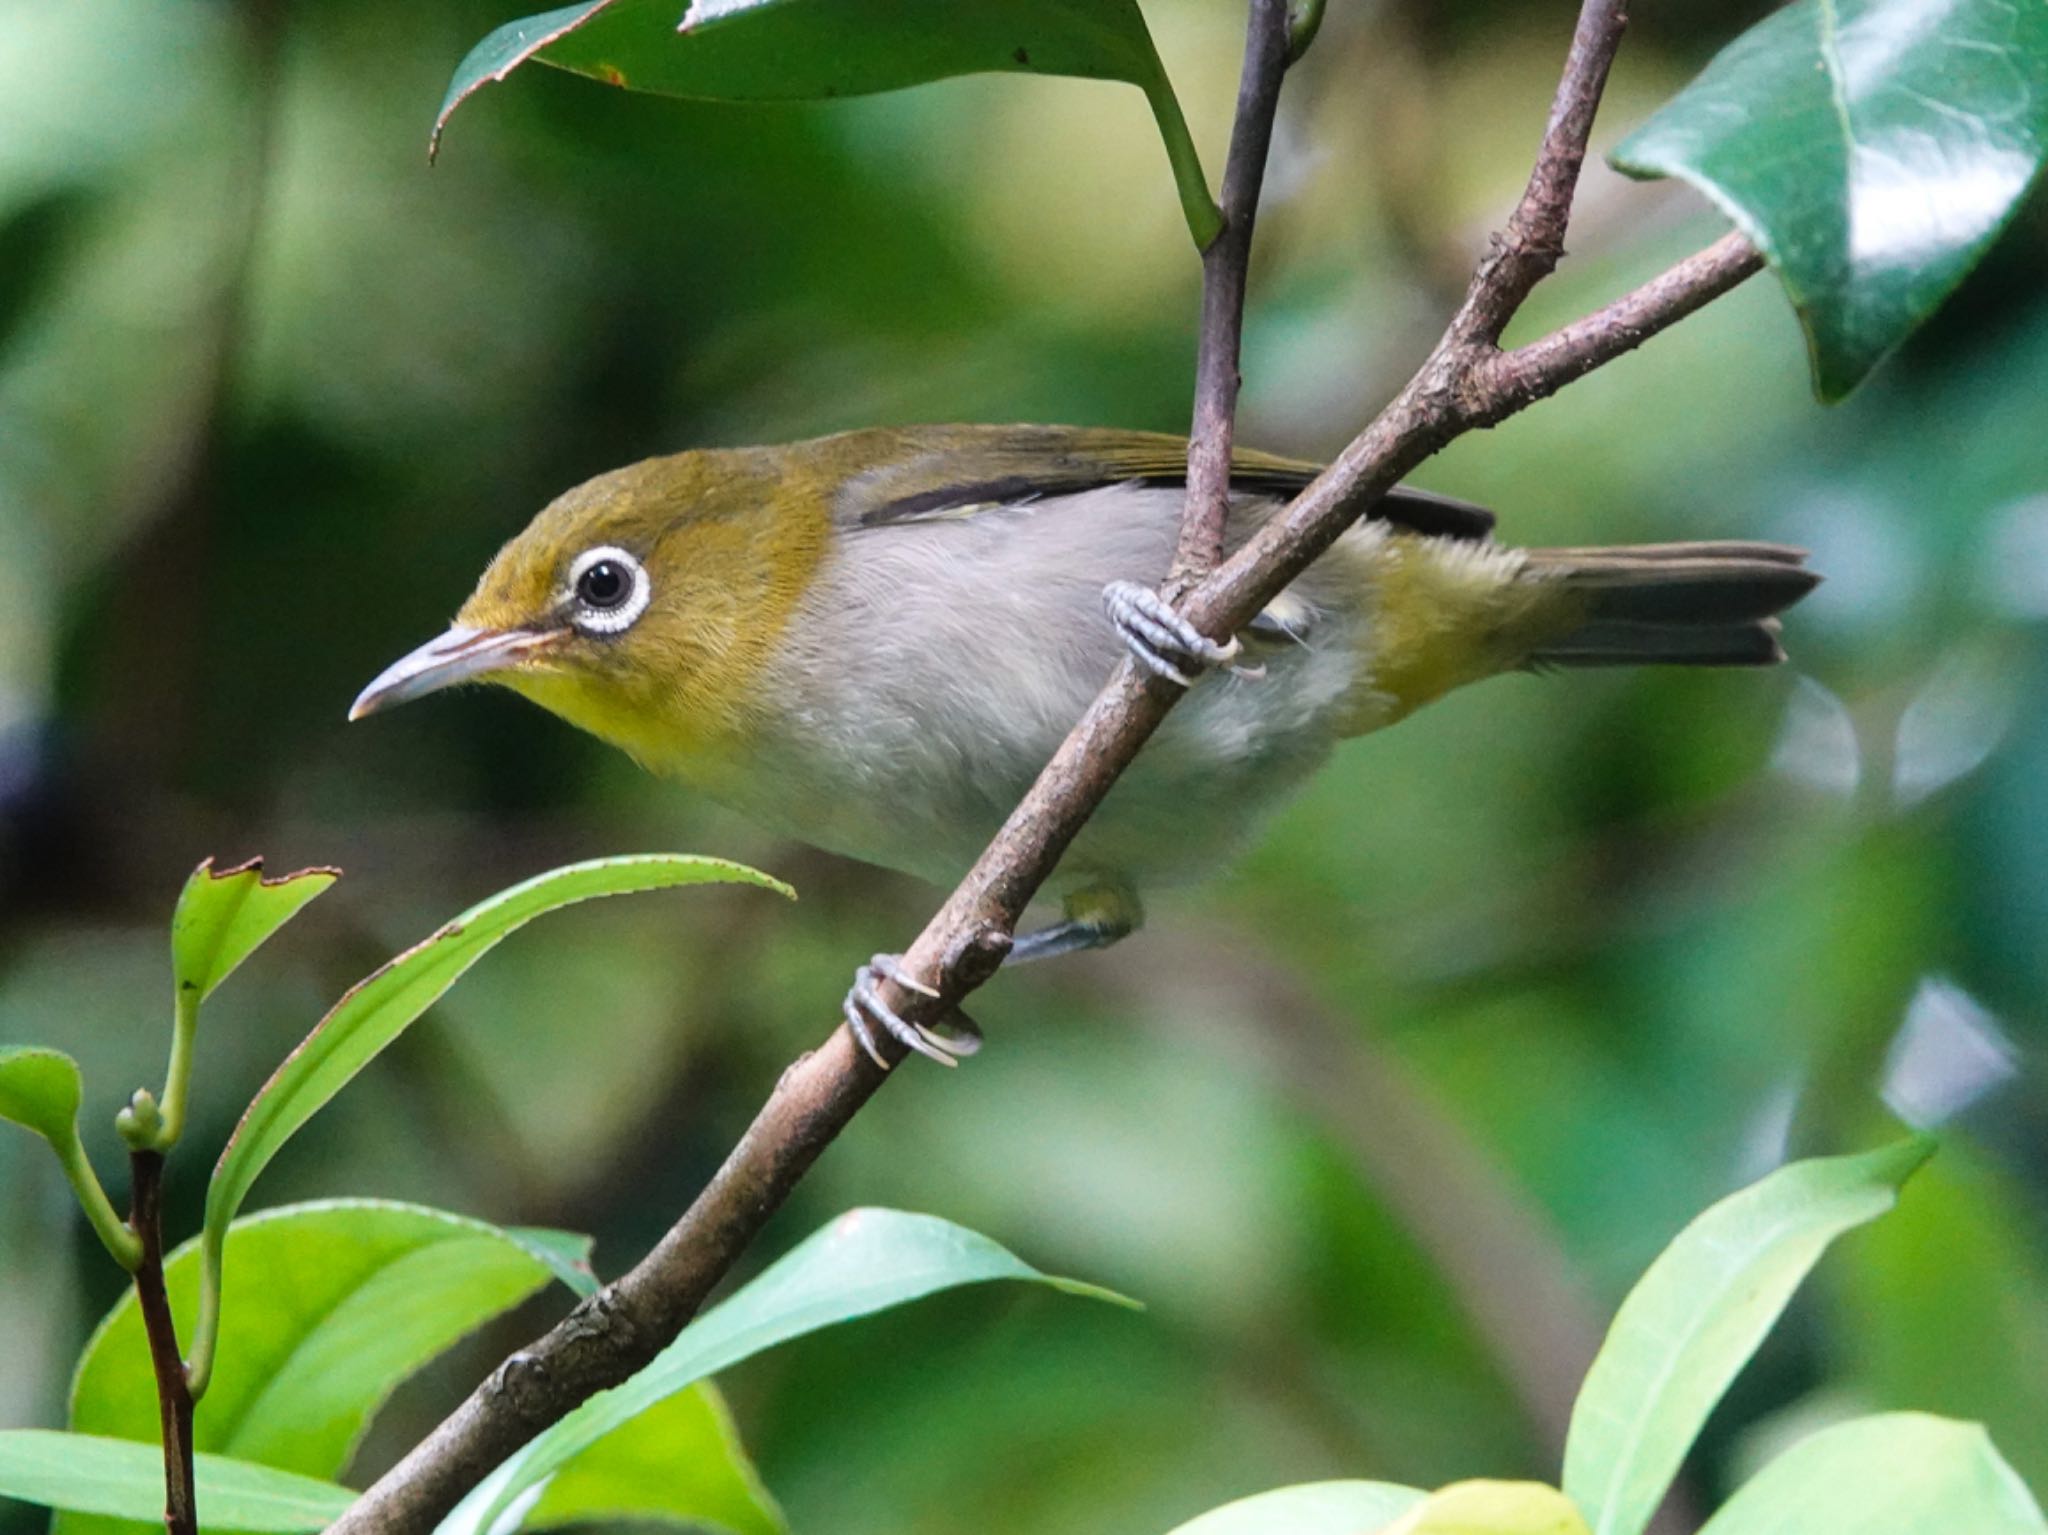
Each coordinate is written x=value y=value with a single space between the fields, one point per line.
x=1696 y=1316
x=791 y=50
x=863 y=1262
x=678 y=1462
x=224 y=914
x=1871 y=148
x=1899 y=1473
x=1313 y=1508
x=124 y=1479
x=333 y=1304
x=40 y=1090
x=377 y=1010
x=1492 y=1508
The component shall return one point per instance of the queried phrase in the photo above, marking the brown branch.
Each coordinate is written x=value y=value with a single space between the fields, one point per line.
x=1533 y=243
x=1226 y=266
x=1466 y=383
x=174 y=1397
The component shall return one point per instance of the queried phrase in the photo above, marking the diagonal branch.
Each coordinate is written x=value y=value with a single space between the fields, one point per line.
x=1467 y=382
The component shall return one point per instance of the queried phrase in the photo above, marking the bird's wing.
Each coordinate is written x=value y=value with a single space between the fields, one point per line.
x=925 y=474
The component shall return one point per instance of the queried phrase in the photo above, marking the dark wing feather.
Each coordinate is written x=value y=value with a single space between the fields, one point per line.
x=920 y=475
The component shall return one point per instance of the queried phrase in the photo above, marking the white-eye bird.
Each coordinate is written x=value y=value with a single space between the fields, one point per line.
x=872 y=642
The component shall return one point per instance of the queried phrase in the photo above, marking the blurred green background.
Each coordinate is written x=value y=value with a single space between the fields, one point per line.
x=1380 y=1124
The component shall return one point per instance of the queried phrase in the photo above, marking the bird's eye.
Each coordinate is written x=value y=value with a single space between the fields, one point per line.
x=604 y=585
x=609 y=589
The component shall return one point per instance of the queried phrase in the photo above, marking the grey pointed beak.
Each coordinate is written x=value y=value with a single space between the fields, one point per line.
x=460 y=655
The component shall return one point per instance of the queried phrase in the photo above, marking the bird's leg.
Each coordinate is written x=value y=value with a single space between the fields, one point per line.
x=865 y=1010
x=1096 y=917
x=1165 y=644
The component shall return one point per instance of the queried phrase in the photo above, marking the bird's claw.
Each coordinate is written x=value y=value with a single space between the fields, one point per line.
x=1165 y=643
x=865 y=1009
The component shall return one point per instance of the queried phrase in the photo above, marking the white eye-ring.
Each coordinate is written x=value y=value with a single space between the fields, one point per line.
x=609 y=590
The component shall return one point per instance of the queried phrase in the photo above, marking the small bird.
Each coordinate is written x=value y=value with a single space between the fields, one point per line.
x=872 y=642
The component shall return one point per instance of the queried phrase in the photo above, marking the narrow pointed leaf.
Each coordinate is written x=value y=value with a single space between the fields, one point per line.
x=1492 y=1508
x=800 y=50
x=1872 y=149
x=124 y=1479
x=566 y=1254
x=1696 y=1316
x=377 y=1010
x=863 y=1262
x=1313 y=1508
x=333 y=1304
x=224 y=914
x=1898 y=1473
x=40 y=1090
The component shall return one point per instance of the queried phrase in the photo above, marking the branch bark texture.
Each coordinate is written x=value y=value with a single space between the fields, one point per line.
x=1226 y=269
x=1467 y=382
x=174 y=1396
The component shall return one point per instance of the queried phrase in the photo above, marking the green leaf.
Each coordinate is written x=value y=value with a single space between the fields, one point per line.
x=224 y=914
x=566 y=1253
x=1694 y=1319
x=378 y=1009
x=1899 y=1473
x=334 y=1303
x=804 y=50
x=1313 y=1508
x=679 y=1462
x=1492 y=1508
x=1872 y=149
x=863 y=1262
x=40 y=1091
x=125 y=1479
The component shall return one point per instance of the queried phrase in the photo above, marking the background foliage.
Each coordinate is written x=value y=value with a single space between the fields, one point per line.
x=1381 y=1124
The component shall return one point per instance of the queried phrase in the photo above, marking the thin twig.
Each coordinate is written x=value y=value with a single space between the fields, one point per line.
x=1533 y=243
x=174 y=1398
x=1226 y=266
x=1464 y=384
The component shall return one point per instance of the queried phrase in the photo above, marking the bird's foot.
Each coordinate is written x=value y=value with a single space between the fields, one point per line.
x=1165 y=644
x=866 y=1010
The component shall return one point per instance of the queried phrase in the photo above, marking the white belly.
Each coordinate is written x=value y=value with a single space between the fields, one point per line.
x=934 y=668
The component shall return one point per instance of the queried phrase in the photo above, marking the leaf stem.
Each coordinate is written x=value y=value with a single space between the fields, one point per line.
x=174 y=1398
x=178 y=1075
x=206 y=1332
x=1205 y=219
x=107 y=1225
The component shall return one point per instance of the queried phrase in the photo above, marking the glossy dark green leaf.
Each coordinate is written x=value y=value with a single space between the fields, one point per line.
x=863 y=1262
x=1696 y=1316
x=1313 y=1508
x=805 y=50
x=224 y=914
x=124 y=1479
x=1898 y=1473
x=333 y=1303
x=1872 y=149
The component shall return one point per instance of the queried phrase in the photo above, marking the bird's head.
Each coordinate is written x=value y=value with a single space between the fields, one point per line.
x=639 y=606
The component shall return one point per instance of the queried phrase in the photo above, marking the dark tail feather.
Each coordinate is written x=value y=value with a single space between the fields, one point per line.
x=1707 y=604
